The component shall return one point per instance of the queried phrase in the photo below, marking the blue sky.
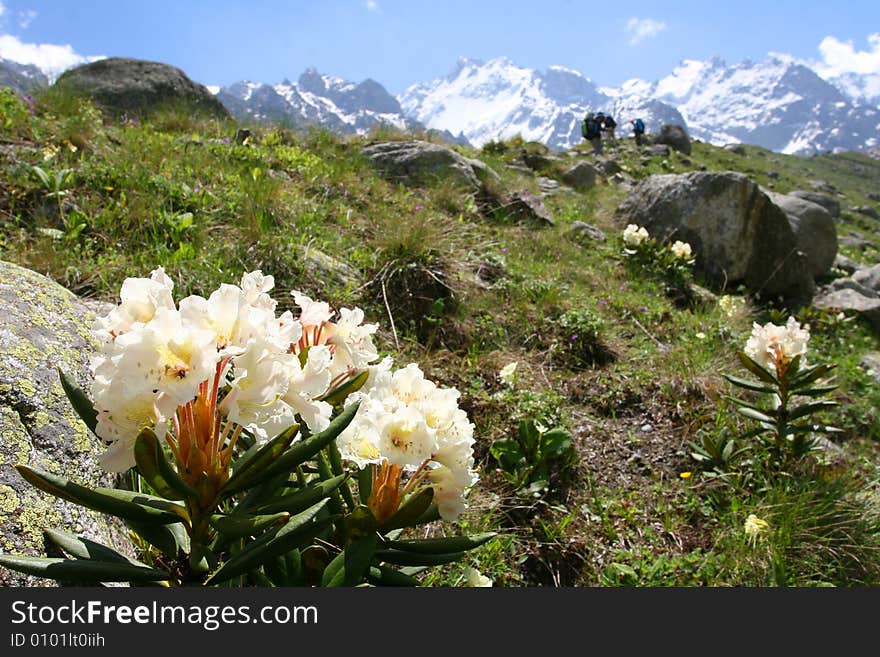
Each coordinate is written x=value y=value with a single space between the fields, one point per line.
x=400 y=42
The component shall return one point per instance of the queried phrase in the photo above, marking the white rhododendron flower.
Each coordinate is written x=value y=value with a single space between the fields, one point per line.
x=681 y=250
x=475 y=578
x=140 y=298
x=406 y=421
x=634 y=236
x=770 y=343
x=730 y=305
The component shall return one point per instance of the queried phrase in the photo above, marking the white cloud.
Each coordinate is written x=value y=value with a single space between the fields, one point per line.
x=840 y=57
x=25 y=18
x=372 y=5
x=50 y=58
x=640 y=29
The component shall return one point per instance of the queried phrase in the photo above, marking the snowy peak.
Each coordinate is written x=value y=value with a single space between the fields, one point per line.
x=497 y=99
x=316 y=99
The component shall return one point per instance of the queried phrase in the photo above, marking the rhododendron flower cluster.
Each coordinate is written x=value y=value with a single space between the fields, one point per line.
x=773 y=347
x=681 y=250
x=202 y=372
x=256 y=371
x=634 y=236
x=406 y=424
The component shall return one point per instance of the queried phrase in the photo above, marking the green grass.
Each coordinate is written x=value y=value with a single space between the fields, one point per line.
x=464 y=292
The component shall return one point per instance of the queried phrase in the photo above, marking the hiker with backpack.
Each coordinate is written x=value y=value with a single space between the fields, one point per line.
x=591 y=129
x=638 y=130
x=610 y=125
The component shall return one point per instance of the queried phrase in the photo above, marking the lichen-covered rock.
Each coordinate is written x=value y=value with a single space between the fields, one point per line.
x=828 y=202
x=43 y=326
x=582 y=176
x=525 y=207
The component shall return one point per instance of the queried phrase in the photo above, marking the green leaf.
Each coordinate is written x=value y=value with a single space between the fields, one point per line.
x=756 y=369
x=810 y=408
x=154 y=467
x=410 y=511
x=809 y=375
x=555 y=443
x=81 y=571
x=172 y=540
x=232 y=526
x=305 y=449
x=528 y=435
x=442 y=545
x=302 y=499
x=507 y=452
x=336 y=467
x=755 y=414
x=748 y=384
x=81 y=404
x=273 y=544
x=129 y=505
x=405 y=558
x=349 y=566
x=365 y=483
x=386 y=576
x=254 y=467
x=82 y=548
x=818 y=391
x=340 y=393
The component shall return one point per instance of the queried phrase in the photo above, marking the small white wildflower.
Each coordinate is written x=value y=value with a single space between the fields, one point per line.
x=754 y=528
x=508 y=374
x=475 y=578
x=700 y=335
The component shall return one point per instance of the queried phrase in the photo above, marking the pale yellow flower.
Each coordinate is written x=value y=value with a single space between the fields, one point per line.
x=755 y=527
x=475 y=578
x=508 y=373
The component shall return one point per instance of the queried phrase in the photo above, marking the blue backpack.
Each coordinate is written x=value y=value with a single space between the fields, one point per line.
x=590 y=127
x=640 y=125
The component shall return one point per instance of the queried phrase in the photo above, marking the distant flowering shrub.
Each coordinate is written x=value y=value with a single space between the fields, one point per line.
x=244 y=427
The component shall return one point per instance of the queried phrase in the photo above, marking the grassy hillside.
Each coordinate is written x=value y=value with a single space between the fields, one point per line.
x=624 y=360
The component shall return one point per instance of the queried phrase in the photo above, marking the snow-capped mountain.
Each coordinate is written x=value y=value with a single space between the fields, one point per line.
x=498 y=100
x=21 y=77
x=317 y=99
x=778 y=103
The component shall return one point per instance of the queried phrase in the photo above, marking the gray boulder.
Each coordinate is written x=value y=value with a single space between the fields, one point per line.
x=738 y=149
x=814 y=231
x=656 y=150
x=871 y=362
x=736 y=232
x=607 y=166
x=848 y=265
x=581 y=176
x=416 y=163
x=133 y=87
x=846 y=294
x=675 y=137
x=44 y=326
x=831 y=204
x=327 y=270
x=868 y=277
x=867 y=211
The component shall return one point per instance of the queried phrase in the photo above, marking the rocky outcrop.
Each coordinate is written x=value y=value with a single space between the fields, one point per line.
x=814 y=231
x=581 y=176
x=675 y=137
x=584 y=233
x=43 y=326
x=737 y=233
x=525 y=207
x=417 y=163
x=133 y=87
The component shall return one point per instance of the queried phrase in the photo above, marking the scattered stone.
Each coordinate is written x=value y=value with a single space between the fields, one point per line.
x=547 y=186
x=656 y=150
x=645 y=428
x=535 y=160
x=871 y=362
x=867 y=211
x=674 y=136
x=726 y=219
x=417 y=163
x=822 y=186
x=848 y=265
x=832 y=205
x=845 y=294
x=582 y=232
x=869 y=277
x=581 y=176
x=873 y=196
x=44 y=326
x=525 y=207
x=739 y=149
x=607 y=165
x=773 y=175
x=133 y=87
x=856 y=241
